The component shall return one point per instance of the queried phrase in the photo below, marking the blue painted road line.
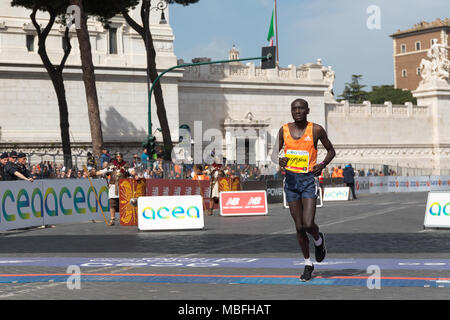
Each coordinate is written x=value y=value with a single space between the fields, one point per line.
x=230 y=279
x=278 y=263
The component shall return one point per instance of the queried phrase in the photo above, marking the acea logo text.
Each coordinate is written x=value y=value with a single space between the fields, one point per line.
x=176 y=212
x=436 y=209
x=33 y=202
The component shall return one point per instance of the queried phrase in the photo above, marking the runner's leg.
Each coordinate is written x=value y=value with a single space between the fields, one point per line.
x=308 y=216
x=309 y=213
x=296 y=209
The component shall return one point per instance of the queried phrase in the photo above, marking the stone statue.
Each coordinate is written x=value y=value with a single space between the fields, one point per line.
x=328 y=77
x=437 y=68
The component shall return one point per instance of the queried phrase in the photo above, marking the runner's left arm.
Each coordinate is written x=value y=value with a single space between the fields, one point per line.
x=321 y=135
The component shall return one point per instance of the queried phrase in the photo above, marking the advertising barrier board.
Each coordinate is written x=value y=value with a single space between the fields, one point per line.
x=381 y=184
x=274 y=191
x=439 y=183
x=74 y=200
x=174 y=187
x=42 y=202
x=362 y=185
x=336 y=194
x=437 y=211
x=170 y=213
x=254 y=185
x=243 y=203
x=22 y=205
x=378 y=184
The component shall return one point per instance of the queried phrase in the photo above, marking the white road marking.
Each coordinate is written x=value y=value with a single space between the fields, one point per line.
x=363 y=216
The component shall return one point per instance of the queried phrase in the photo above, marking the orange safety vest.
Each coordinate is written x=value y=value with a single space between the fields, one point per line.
x=302 y=153
x=335 y=174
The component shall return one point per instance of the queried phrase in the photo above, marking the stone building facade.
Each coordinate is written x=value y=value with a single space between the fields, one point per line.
x=411 y=46
x=245 y=104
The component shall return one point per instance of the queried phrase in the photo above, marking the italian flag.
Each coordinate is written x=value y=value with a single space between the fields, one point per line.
x=271 y=32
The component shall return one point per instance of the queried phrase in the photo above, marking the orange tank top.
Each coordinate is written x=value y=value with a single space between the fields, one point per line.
x=302 y=153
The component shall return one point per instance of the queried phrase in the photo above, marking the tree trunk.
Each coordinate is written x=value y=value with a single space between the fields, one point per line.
x=60 y=90
x=88 y=69
x=152 y=73
x=159 y=99
x=58 y=82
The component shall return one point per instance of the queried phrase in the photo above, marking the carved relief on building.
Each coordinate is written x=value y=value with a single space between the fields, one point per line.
x=163 y=46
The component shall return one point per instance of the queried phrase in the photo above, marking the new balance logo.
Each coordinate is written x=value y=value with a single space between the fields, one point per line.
x=233 y=202
x=254 y=201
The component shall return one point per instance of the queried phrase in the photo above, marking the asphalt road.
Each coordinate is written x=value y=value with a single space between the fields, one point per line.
x=236 y=258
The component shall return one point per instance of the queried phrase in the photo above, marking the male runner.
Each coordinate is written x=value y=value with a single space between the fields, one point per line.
x=299 y=139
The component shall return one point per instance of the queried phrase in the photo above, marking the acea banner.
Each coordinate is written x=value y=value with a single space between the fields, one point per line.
x=25 y=204
x=437 y=211
x=170 y=213
x=336 y=194
x=74 y=200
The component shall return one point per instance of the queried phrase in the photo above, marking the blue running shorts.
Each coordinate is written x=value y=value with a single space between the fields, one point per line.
x=300 y=185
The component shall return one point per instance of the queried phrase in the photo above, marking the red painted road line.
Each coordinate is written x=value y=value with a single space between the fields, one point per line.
x=213 y=276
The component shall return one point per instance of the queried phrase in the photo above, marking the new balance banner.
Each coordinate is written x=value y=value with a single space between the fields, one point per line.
x=243 y=203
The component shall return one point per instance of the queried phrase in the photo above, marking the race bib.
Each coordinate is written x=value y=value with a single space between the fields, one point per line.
x=298 y=161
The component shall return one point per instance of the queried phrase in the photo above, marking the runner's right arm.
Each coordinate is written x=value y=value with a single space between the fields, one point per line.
x=282 y=162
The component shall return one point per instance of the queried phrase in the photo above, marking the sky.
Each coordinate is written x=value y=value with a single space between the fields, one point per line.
x=335 y=31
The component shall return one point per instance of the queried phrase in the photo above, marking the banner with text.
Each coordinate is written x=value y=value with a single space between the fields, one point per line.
x=381 y=184
x=437 y=211
x=42 y=202
x=170 y=213
x=243 y=203
x=336 y=194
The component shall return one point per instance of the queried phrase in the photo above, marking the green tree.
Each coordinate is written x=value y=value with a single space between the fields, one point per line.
x=143 y=29
x=353 y=91
x=383 y=93
x=54 y=8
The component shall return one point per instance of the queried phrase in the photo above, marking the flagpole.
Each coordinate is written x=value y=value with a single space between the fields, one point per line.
x=276 y=32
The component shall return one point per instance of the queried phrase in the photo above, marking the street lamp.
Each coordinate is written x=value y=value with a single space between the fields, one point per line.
x=161 y=6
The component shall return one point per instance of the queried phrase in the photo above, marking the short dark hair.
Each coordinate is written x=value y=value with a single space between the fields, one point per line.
x=300 y=100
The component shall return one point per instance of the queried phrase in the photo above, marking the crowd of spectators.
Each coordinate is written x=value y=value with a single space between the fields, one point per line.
x=337 y=172
x=155 y=169
x=159 y=169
